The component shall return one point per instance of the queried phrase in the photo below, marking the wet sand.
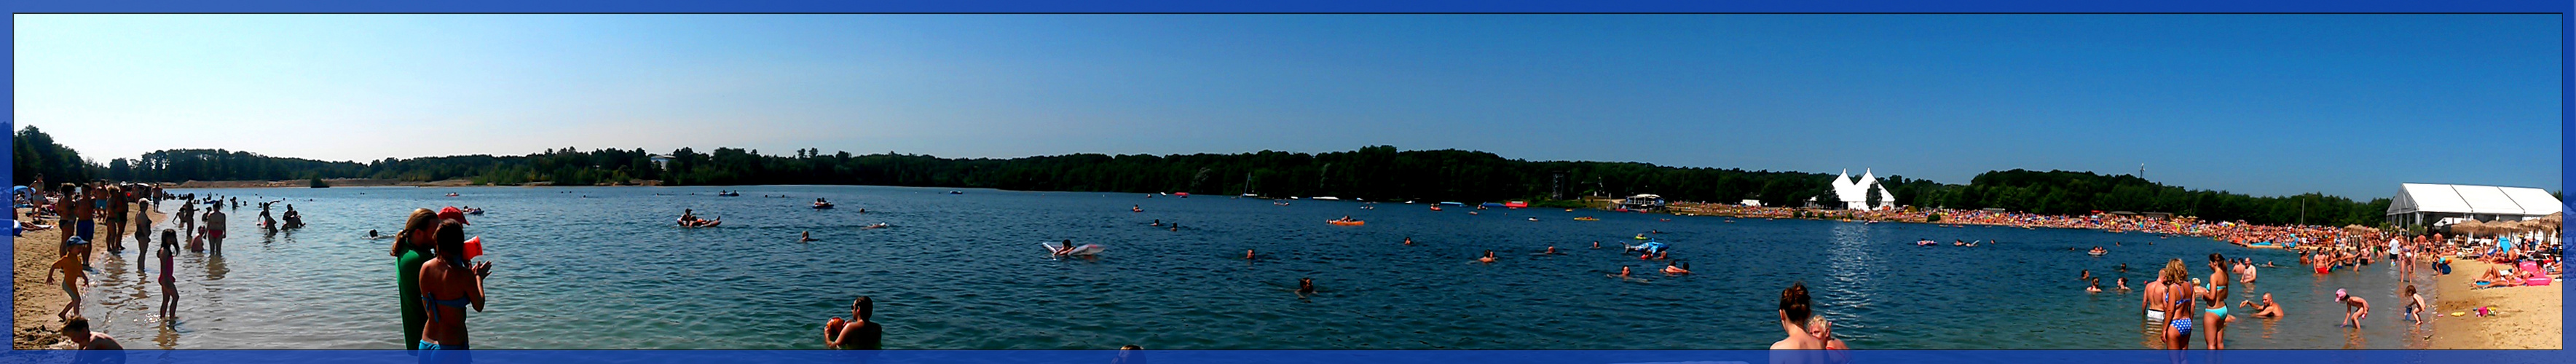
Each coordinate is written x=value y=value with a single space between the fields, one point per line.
x=2526 y=317
x=35 y=301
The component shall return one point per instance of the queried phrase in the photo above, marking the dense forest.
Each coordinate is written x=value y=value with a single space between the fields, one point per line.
x=32 y=154
x=1378 y=173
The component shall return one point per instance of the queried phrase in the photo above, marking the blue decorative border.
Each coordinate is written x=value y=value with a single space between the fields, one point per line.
x=2567 y=31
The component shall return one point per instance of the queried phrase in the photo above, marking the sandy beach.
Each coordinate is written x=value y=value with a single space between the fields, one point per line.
x=36 y=301
x=2526 y=317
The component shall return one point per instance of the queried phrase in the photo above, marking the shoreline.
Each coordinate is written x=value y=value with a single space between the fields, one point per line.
x=2526 y=318
x=35 y=302
x=334 y=182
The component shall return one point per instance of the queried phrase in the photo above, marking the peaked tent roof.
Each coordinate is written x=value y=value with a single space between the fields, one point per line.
x=2467 y=199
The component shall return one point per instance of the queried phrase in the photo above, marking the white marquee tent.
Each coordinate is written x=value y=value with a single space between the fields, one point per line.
x=2420 y=203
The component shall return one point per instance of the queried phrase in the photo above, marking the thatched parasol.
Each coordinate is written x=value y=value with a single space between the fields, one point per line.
x=2357 y=229
x=2471 y=227
x=2525 y=226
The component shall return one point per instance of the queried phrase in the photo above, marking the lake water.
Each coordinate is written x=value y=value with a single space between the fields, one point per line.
x=603 y=268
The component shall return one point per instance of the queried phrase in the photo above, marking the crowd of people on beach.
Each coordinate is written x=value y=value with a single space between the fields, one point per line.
x=98 y=215
x=82 y=211
x=2169 y=302
x=2237 y=232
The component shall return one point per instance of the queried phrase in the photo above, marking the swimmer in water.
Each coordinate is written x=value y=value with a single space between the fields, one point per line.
x=1596 y=244
x=1551 y=249
x=1488 y=258
x=1247 y=254
x=1305 y=286
x=2124 y=284
x=1408 y=240
x=2094 y=287
x=1157 y=222
x=1676 y=268
x=1623 y=271
x=2266 y=310
x=805 y=237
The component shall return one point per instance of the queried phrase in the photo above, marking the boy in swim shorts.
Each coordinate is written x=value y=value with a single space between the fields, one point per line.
x=70 y=267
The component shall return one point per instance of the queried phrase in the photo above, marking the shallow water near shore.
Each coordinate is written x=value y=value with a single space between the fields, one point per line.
x=603 y=268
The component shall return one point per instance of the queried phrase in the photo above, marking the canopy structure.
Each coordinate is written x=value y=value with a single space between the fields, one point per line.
x=1856 y=192
x=2418 y=204
x=1642 y=202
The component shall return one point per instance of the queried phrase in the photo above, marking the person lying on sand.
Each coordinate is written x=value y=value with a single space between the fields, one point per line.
x=2500 y=277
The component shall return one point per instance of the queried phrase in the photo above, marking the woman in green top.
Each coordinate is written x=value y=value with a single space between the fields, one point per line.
x=412 y=247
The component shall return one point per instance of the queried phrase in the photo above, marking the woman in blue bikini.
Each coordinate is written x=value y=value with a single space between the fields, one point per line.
x=2215 y=294
x=2178 y=297
x=448 y=275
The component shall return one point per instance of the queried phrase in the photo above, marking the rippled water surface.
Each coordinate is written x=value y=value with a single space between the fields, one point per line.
x=602 y=267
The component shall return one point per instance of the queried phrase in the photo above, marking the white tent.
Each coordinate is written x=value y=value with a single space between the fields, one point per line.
x=1846 y=189
x=1855 y=192
x=2421 y=203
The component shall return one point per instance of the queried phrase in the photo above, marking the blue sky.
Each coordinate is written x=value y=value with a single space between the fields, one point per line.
x=2262 y=104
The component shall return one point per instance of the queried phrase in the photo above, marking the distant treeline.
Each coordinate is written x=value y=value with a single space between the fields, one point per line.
x=2077 y=193
x=1377 y=173
x=32 y=154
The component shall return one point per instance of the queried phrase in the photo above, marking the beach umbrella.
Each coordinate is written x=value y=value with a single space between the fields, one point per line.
x=2534 y=225
x=2471 y=227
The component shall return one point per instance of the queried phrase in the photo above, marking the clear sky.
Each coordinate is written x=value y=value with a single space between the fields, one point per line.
x=2262 y=104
